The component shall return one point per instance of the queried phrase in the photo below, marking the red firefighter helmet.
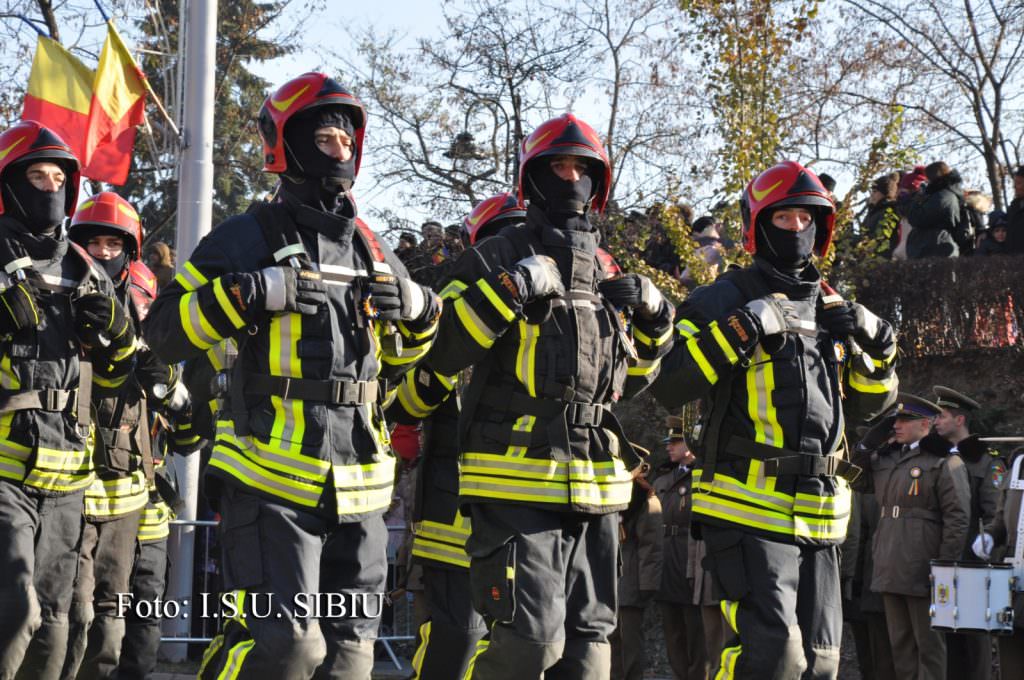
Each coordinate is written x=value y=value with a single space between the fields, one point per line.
x=568 y=135
x=27 y=141
x=305 y=92
x=487 y=212
x=786 y=184
x=107 y=209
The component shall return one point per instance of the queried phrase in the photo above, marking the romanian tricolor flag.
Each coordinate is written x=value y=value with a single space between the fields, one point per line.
x=94 y=112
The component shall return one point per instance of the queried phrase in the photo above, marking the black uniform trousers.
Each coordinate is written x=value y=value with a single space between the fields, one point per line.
x=629 y=653
x=684 y=640
x=969 y=655
x=104 y=571
x=782 y=604
x=40 y=537
x=142 y=634
x=546 y=581
x=448 y=639
x=282 y=558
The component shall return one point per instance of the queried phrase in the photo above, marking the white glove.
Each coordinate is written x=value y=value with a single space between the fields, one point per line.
x=650 y=298
x=544 y=279
x=777 y=314
x=982 y=546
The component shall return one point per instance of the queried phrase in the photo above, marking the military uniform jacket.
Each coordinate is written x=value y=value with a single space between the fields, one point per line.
x=1005 y=527
x=45 y=448
x=924 y=507
x=641 y=552
x=675 y=493
x=784 y=401
x=985 y=473
x=536 y=426
x=291 y=449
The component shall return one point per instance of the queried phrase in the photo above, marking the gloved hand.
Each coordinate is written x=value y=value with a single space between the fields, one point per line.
x=539 y=278
x=634 y=291
x=287 y=289
x=983 y=545
x=839 y=319
x=777 y=314
x=101 y=321
x=19 y=308
x=401 y=299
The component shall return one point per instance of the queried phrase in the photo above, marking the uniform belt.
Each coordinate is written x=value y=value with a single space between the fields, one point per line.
x=897 y=512
x=792 y=462
x=44 y=400
x=674 y=529
x=346 y=392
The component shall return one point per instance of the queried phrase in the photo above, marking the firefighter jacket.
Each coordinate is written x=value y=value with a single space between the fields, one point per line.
x=673 y=486
x=303 y=417
x=44 y=383
x=985 y=472
x=121 y=453
x=536 y=426
x=770 y=439
x=924 y=507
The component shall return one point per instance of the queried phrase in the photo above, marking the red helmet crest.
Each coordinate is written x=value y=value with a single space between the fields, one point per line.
x=571 y=136
x=305 y=92
x=28 y=140
x=487 y=212
x=107 y=209
x=787 y=184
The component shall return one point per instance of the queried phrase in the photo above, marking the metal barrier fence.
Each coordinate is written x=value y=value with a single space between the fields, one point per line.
x=400 y=617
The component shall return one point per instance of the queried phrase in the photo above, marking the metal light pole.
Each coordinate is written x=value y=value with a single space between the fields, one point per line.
x=197 y=55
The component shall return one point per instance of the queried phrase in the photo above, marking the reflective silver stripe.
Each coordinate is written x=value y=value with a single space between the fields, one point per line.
x=727 y=486
x=196 y=321
x=11 y=468
x=289 y=328
x=444 y=532
x=548 y=470
x=341 y=271
x=439 y=552
x=263 y=453
x=14 y=450
x=58 y=282
x=257 y=477
x=363 y=500
x=363 y=475
x=547 y=492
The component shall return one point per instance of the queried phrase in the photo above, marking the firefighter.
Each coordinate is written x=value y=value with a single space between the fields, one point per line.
x=543 y=461
x=108 y=228
x=970 y=654
x=924 y=499
x=773 y=355
x=64 y=337
x=448 y=639
x=301 y=468
x=680 y=606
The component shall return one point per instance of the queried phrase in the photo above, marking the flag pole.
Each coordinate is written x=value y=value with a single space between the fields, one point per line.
x=195 y=216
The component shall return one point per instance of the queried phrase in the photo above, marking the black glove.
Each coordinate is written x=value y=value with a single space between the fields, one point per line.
x=399 y=299
x=19 y=309
x=634 y=291
x=537 y=277
x=286 y=289
x=100 y=322
x=839 y=319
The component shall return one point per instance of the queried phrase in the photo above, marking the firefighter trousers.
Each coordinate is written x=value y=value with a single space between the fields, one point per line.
x=40 y=537
x=305 y=592
x=448 y=639
x=96 y=626
x=142 y=634
x=546 y=582
x=684 y=640
x=781 y=604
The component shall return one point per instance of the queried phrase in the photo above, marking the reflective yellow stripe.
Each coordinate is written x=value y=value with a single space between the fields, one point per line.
x=766 y=520
x=453 y=289
x=251 y=474
x=8 y=378
x=225 y=304
x=112 y=383
x=12 y=469
x=63 y=482
x=495 y=300
x=189 y=278
x=526 y=356
x=116 y=497
x=476 y=328
x=687 y=328
x=729 y=610
x=155 y=522
x=760 y=389
x=727 y=665
x=406 y=355
x=236 y=657
x=702 y=362
x=545 y=481
x=862 y=383
x=726 y=348
x=416 y=335
x=481 y=647
x=197 y=328
x=643 y=367
x=437 y=551
x=409 y=398
x=289 y=417
x=656 y=342
x=523 y=424
x=421 y=650
x=268 y=455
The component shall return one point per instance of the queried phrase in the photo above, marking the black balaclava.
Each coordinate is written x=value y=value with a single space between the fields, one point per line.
x=563 y=202
x=41 y=211
x=788 y=251
x=115 y=266
x=313 y=176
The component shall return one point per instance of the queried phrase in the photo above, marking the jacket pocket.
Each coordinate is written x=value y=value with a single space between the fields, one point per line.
x=492 y=580
x=240 y=535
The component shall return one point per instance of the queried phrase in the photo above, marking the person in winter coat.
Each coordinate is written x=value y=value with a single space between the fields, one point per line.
x=324 y=319
x=881 y=223
x=161 y=263
x=680 y=613
x=934 y=215
x=768 y=348
x=543 y=460
x=64 y=338
x=924 y=499
x=1015 y=214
